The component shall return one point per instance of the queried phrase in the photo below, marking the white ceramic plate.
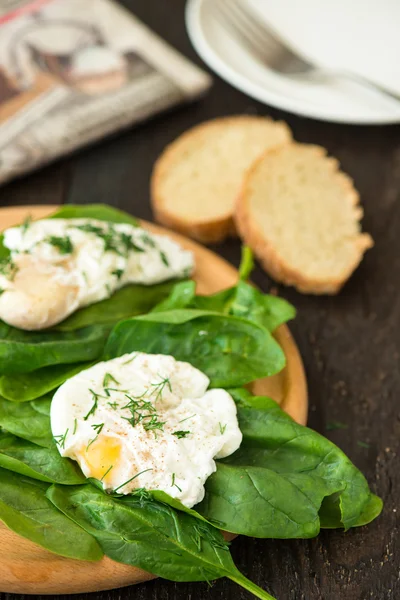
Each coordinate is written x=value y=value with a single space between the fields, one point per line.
x=358 y=35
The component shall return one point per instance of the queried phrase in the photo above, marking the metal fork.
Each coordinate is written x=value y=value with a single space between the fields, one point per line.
x=267 y=46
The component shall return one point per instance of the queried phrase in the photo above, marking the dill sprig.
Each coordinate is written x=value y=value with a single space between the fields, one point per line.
x=107 y=472
x=187 y=418
x=25 y=225
x=154 y=424
x=181 y=434
x=202 y=532
x=60 y=439
x=131 y=359
x=98 y=429
x=159 y=386
x=119 y=242
x=8 y=268
x=164 y=258
x=222 y=428
x=108 y=378
x=63 y=244
x=146 y=239
x=113 y=405
x=174 y=484
x=131 y=479
x=118 y=273
x=93 y=409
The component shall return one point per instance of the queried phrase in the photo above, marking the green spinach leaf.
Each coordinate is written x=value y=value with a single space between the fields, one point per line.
x=228 y=349
x=25 y=351
x=127 y=302
x=30 y=421
x=247 y=302
x=102 y=212
x=45 y=464
x=151 y=536
x=25 y=509
x=29 y=386
x=294 y=480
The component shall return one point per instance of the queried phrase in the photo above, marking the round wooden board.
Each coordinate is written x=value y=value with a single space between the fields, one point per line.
x=25 y=568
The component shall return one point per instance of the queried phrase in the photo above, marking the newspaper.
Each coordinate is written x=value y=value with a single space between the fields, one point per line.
x=73 y=71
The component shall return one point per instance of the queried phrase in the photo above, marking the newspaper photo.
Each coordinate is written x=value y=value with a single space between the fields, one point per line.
x=73 y=71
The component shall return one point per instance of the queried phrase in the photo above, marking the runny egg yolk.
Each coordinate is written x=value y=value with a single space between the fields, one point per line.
x=102 y=456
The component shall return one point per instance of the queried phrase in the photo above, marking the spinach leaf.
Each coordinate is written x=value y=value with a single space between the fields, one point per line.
x=30 y=421
x=227 y=349
x=24 y=351
x=294 y=479
x=151 y=536
x=246 y=263
x=182 y=295
x=29 y=386
x=102 y=212
x=242 y=300
x=247 y=302
x=45 y=464
x=25 y=509
x=127 y=302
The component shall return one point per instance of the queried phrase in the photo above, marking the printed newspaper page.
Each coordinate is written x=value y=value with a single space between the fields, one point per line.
x=73 y=71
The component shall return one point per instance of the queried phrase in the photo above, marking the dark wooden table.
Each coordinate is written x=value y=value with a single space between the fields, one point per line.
x=350 y=343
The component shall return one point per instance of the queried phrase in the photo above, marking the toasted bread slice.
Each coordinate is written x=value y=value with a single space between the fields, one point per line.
x=197 y=179
x=301 y=216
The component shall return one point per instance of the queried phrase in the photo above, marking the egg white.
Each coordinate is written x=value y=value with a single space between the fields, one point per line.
x=48 y=285
x=91 y=420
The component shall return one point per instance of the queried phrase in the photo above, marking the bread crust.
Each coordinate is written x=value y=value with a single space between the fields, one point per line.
x=206 y=230
x=268 y=255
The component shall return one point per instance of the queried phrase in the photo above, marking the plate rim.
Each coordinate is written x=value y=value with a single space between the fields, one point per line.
x=256 y=91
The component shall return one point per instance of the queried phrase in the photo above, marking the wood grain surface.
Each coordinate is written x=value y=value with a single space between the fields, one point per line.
x=350 y=343
x=26 y=568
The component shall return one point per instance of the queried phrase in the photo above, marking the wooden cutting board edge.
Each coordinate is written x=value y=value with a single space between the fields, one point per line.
x=29 y=569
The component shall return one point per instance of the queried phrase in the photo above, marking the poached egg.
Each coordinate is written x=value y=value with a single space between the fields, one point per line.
x=145 y=421
x=59 y=265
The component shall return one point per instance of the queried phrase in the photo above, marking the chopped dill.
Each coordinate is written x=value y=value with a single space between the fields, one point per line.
x=25 y=225
x=98 y=428
x=132 y=358
x=118 y=273
x=181 y=434
x=164 y=258
x=160 y=386
x=131 y=479
x=174 y=484
x=8 y=268
x=107 y=472
x=191 y=417
x=75 y=426
x=95 y=404
x=222 y=428
x=108 y=378
x=146 y=239
x=202 y=532
x=60 y=439
x=113 y=405
x=63 y=244
x=154 y=425
x=128 y=243
x=2 y=290
x=89 y=228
